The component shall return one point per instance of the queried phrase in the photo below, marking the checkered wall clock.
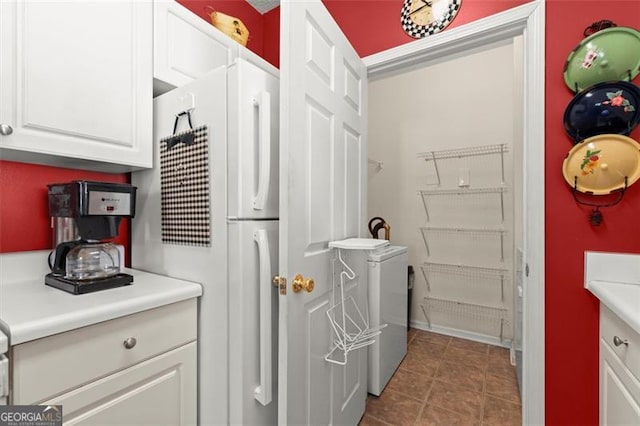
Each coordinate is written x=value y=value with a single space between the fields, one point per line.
x=421 y=18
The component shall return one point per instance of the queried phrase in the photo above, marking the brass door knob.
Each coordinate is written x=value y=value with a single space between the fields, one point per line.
x=299 y=283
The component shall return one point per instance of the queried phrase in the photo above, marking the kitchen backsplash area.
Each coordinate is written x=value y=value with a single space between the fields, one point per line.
x=24 y=219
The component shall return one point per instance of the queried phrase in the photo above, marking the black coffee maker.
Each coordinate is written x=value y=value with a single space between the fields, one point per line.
x=84 y=216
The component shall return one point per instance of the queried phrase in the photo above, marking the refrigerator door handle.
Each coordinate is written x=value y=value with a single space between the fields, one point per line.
x=263 y=392
x=263 y=102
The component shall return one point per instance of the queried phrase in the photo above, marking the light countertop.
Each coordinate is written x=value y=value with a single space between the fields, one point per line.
x=622 y=298
x=615 y=280
x=30 y=310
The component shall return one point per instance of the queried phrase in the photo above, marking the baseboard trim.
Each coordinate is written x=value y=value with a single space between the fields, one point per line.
x=463 y=334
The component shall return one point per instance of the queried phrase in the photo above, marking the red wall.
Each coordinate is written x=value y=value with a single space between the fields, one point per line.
x=24 y=217
x=571 y=312
x=374 y=25
x=272 y=36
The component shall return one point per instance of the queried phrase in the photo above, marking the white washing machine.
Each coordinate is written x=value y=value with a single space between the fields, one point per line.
x=387 y=280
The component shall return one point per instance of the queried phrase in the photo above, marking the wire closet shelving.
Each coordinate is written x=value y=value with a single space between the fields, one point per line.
x=469 y=275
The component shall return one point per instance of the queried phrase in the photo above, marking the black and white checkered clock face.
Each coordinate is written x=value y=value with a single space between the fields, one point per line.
x=421 y=18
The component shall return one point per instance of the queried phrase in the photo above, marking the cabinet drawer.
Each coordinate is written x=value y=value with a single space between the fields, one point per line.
x=52 y=365
x=610 y=327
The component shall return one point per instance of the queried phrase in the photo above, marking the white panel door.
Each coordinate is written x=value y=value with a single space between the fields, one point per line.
x=323 y=161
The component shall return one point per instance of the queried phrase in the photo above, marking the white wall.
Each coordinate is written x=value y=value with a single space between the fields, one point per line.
x=466 y=101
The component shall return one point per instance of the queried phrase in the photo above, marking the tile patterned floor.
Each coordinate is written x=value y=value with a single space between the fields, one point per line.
x=447 y=381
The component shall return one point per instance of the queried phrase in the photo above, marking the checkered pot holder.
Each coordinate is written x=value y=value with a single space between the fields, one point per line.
x=184 y=181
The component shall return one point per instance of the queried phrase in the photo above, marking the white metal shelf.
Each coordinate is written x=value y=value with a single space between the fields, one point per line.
x=463 y=191
x=462 y=309
x=464 y=152
x=472 y=272
x=468 y=281
x=426 y=193
x=463 y=231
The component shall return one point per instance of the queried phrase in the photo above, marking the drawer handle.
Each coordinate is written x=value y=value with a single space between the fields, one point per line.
x=618 y=341
x=130 y=342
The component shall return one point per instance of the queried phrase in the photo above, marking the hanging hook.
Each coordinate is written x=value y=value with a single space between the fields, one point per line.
x=187 y=138
x=595 y=217
x=349 y=273
x=597 y=26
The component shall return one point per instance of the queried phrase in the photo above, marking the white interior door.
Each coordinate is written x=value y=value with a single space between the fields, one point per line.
x=322 y=194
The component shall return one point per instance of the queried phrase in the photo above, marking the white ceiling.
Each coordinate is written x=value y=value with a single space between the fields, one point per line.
x=264 y=6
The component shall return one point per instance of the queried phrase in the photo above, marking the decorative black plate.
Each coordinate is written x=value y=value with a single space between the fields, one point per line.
x=612 y=107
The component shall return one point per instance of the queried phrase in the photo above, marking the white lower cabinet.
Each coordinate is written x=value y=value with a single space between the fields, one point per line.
x=619 y=371
x=137 y=369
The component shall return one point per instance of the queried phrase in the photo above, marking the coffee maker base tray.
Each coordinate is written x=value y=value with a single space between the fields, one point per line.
x=88 y=286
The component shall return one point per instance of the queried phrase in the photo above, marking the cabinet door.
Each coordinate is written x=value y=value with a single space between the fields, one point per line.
x=185 y=47
x=159 y=391
x=619 y=391
x=75 y=79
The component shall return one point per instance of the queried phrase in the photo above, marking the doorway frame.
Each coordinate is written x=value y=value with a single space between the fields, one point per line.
x=528 y=21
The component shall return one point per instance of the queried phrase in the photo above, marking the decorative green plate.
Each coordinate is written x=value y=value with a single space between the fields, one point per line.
x=612 y=54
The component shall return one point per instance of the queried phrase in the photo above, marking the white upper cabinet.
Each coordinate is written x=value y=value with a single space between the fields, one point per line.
x=185 y=47
x=76 y=83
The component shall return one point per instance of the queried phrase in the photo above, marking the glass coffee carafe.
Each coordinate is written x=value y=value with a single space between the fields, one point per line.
x=91 y=261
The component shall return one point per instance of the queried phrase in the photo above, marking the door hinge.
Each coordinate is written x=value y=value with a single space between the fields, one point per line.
x=526 y=269
x=281 y=283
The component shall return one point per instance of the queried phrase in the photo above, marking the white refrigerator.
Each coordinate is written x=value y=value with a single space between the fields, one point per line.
x=208 y=212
